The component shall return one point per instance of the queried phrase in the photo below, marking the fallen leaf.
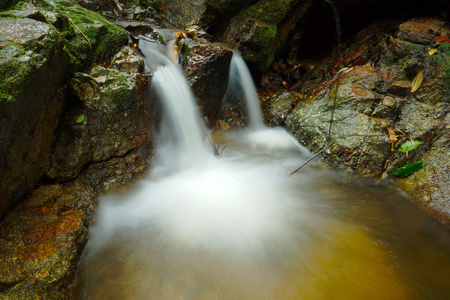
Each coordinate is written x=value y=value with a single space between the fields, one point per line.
x=432 y=51
x=80 y=118
x=417 y=81
x=442 y=39
x=409 y=146
x=392 y=137
x=408 y=169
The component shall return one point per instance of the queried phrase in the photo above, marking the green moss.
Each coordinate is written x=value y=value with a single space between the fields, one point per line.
x=5 y=96
x=264 y=35
x=120 y=95
x=8 y=4
x=271 y=11
x=15 y=67
x=90 y=37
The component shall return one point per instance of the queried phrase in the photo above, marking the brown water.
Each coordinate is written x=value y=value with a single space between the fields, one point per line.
x=242 y=228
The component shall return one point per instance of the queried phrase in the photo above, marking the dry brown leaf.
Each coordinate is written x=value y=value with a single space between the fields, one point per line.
x=442 y=39
x=417 y=81
x=392 y=137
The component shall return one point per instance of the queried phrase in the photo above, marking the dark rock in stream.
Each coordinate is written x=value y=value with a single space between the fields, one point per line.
x=207 y=71
x=364 y=87
x=111 y=121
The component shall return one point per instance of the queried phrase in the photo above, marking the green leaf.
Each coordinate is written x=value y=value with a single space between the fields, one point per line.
x=409 y=145
x=408 y=169
x=52 y=3
x=80 y=118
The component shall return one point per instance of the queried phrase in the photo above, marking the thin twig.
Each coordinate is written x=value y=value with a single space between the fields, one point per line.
x=338 y=39
x=223 y=149
x=213 y=146
x=132 y=172
x=310 y=159
x=334 y=107
x=71 y=21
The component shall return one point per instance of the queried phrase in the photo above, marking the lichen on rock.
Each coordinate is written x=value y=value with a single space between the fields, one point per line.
x=372 y=97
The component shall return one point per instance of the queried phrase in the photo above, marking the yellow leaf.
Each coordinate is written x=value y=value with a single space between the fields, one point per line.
x=432 y=51
x=417 y=81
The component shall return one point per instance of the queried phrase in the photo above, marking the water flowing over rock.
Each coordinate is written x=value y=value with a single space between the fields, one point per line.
x=366 y=103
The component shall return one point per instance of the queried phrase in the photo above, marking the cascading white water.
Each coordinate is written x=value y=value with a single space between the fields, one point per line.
x=182 y=138
x=239 y=68
x=240 y=227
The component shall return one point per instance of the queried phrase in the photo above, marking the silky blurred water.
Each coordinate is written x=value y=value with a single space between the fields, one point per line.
x=241 y=227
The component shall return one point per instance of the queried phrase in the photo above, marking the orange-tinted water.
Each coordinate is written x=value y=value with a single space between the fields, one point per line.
x=242 y=228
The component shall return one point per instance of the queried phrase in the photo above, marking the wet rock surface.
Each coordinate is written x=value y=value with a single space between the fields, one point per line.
x=40 y=45
x=207 y=70
x=41 y=240
x=104 y=127
x=372 y=94
x=111 y=121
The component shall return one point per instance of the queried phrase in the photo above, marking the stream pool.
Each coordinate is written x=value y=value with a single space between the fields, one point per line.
x=240 y=227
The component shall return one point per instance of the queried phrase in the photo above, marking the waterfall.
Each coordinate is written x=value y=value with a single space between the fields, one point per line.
x=181 y=136
x=239 y=69
x=240 y=227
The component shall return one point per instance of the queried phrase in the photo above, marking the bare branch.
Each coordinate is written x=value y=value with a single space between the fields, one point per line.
x=311 y=158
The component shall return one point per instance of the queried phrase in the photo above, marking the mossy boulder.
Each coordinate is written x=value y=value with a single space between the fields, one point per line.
x=261 y=29
x=367 y=95
x=110 y=121
x=41 y=44
x=33 y=69
x=90 y=37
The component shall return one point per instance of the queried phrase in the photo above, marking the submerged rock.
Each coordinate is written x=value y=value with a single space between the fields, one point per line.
x=373 y=112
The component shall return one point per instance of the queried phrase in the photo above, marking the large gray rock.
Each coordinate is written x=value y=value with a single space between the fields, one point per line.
x=260 y=30
x=33 y=68
x=373 y=100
